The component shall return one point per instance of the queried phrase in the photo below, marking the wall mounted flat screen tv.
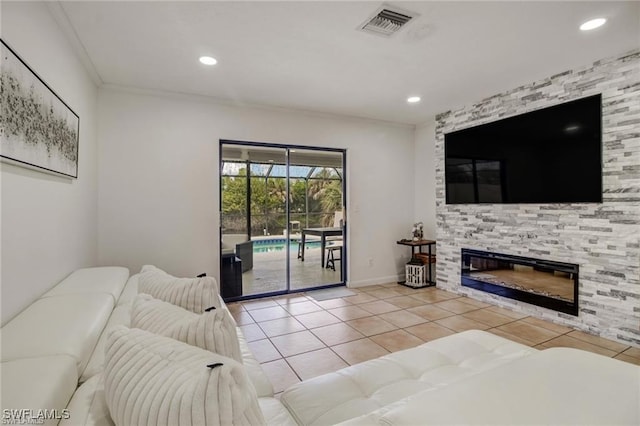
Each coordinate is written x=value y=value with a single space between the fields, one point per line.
x=551 y=155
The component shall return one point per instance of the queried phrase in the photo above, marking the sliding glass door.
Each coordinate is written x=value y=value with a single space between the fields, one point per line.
x=282 y=219
x=317 y=217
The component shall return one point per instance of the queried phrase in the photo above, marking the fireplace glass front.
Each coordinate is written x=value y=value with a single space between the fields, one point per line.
x=553 y=285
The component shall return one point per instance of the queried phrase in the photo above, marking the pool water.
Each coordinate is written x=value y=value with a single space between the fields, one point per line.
x=279 y=244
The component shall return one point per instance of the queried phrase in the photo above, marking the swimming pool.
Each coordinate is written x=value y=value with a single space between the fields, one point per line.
x=279 y=244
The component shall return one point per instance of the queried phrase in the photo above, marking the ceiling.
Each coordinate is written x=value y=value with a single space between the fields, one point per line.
x=310 y=56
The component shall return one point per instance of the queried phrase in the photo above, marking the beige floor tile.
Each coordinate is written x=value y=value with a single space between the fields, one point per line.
x=390 y=285
x=250 y=305
x=280 y=326
x=280 y=375
x=316 y=363
x=333 y=303
x=264 y=351
x=317 y=319
x=442 y=294
x=599 y=341
x=456 y=306
x=627 y=358
x=371 y=325
x=426 y=297
x=370 y=288
x=633 y=352
x=529 y=332
x=459 y=323
x=431 y=297
x=402 y=319
x=429 y=331
x=302 y=308
x=289 y=299
x=566 y=341
x=513 y=338
x=242 y=317
x=397 y=340
x=252 y=332
x=359 y=351
x=360 y=298
x=404 y=290
x=296 y=343
x=351 y=312
x=378 y=307
x=235 y=307
x=507 y=312
x=430 y=312
x=488 y=317
x=474 y=302
x=556 y=328
x=405 y=302
x=385 y=293
x=266 y=314
x=335 y=334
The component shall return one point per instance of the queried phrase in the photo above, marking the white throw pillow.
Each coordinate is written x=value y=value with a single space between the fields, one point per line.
x=214 y=330
x=193 y=294
x=152 y=380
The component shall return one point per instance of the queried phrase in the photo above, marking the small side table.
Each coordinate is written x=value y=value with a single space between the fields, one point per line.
x=419 y=244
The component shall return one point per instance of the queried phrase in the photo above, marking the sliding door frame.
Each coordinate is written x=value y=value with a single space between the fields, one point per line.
x=287 y=148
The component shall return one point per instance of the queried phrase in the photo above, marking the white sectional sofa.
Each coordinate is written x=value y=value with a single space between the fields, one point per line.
x=53 y=354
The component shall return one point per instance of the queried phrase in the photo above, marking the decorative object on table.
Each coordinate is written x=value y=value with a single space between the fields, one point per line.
x=417 y=231
x=37 y=128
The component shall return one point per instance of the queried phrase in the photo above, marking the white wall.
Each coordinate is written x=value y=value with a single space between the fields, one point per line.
x=158 y=180
x=425 y=177
x=49 y=223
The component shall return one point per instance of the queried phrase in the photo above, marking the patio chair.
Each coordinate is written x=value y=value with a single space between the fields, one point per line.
x=242 y=246
x=332 y=248
x=334 y=244
x=338 y=219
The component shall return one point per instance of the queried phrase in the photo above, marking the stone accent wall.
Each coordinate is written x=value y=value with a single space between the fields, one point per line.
x=604 y=239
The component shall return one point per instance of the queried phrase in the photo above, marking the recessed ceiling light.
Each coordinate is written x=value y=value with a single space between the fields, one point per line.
x=413 y=99
x=208 y=60
x=592 y=24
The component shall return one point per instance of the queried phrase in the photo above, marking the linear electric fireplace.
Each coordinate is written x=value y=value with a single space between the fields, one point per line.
x=552 y=285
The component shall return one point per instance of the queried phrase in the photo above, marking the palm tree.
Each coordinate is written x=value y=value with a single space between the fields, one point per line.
x=325 y=188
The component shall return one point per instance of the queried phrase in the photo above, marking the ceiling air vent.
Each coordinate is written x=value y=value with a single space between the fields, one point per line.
x=387 y=21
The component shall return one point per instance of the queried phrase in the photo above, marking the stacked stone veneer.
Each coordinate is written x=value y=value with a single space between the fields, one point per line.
x=604 y=239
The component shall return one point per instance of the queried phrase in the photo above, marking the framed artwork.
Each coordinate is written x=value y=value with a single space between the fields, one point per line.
x=37 y=128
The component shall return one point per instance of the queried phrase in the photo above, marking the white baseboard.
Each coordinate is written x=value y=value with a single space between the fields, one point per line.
x=375 y=281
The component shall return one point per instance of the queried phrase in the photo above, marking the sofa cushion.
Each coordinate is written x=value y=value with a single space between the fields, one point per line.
x=57 y=325
x=38 y=383
x=559 y=386
x=214 y=331
x=150 y=379
x=88 y=406
x=365 y=387
x=275 y=413
x=193 y=294
x=130 y=291
x=110 y=279
x=121 y=315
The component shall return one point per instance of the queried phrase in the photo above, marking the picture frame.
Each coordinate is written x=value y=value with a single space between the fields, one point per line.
x=38 y=130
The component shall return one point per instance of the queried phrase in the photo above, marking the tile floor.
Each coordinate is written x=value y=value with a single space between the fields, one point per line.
x=295 y=337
